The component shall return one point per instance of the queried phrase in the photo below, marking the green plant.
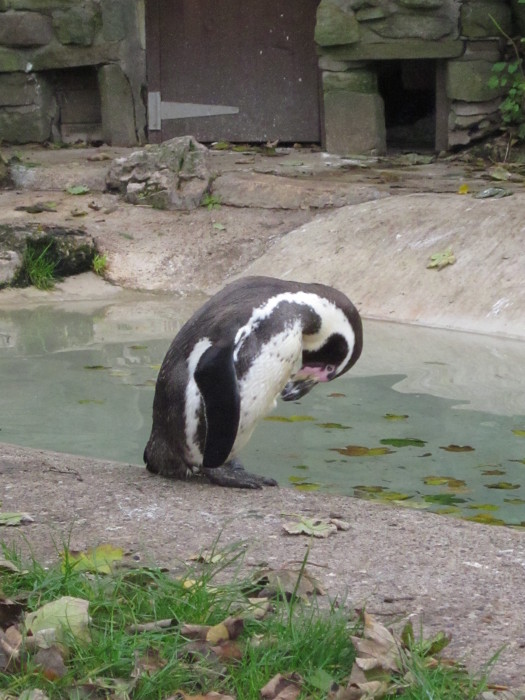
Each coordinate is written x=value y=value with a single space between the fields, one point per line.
x=211 y=201
x=100 y=263
x=39 y=266
x=510 y=75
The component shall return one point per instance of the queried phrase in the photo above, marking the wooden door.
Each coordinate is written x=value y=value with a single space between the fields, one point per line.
x=236 y=70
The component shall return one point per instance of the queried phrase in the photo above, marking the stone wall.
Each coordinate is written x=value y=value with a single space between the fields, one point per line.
x=358 y=40
x=72 y=70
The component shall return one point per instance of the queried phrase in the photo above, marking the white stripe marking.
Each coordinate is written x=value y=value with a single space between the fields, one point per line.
x=193 y=401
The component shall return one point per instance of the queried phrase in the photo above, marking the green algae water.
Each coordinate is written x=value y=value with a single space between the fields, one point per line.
x=427 y=419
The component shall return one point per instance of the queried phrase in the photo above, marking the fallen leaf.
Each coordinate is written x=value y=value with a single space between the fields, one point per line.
x=78 y=212
x=219 y=227
x=14 y=519
x=7 y=566
x=38 y=208
x=51 y=663
x=441 y=260
x=485 y=519
x=10 y=611
x=333 y=426
x=147 y=663
x=66 y=615
x=463 y=189
x=282 y=687
x=377 y=649
x=77 y=189
x=316 y=527
x=518 y=432
x=287 y=581
x=217 y=633
x=228 y=651
x=99 y=559
x=445 y=499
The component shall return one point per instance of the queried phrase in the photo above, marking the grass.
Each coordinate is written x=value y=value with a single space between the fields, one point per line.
x=211 y=201
x=39 y=266
x=292 y=638
x=100 y=263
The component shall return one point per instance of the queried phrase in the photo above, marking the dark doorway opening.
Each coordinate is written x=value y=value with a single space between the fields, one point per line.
x=408 y=89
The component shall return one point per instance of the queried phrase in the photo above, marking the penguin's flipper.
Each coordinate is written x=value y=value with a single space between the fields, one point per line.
x=215 y=376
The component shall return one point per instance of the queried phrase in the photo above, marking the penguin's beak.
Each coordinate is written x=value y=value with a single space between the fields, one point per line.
x=305 y=379
x=295 y=389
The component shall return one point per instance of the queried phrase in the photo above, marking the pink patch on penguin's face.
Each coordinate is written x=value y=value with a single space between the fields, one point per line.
x=316 y=372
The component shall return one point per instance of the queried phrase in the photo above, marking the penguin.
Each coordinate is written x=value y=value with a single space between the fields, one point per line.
x=257 y=339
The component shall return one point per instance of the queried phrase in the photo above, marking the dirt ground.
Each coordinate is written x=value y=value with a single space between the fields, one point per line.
x=367 y=226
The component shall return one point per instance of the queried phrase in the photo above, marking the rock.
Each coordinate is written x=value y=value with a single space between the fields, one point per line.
x=336 y=23
x=172 y=175
x=360 y=80
x=476 y=19
x=27 y=107
x=354 y=122
x=469 y=81
x=9 y=264
x=77 y=25
x=71 y=249
x=25 y=29
x=118 y=124
x=415 y=26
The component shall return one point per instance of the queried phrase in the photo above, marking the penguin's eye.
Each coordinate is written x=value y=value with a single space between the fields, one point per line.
x=330 y=368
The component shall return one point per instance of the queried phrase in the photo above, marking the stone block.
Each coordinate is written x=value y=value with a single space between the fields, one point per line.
x=78 y=25
x=518 y=12
x=41 y=5
x=329 y=64
x=386 y=50
x=354 y=123
x=56 y=55
x=367 y=14
x=11 y=60
x=476 y=22
x=468 y=81
x=30 y=116
x=17 y=89
x=336 y=23
x=360 y=80
x=23 y=29
x=415 y=26
x=116 y=15
x=116 y=102
x=422 y=4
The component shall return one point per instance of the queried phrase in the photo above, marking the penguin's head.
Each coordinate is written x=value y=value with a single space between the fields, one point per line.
x=330 y=351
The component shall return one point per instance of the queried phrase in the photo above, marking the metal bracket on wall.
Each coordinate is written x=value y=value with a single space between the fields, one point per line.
x=158 y=110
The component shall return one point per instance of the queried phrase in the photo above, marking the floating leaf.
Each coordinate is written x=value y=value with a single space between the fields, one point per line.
x=457 y=448
x=449 y=481
x=394 y=496
x=484 y=506
x=77 y=189
x=307 y=486
x=289 y=419
x=138 y=347
x=485 y=519
x=463 y=189
x=96 y=401
x=361 y=451
x=503 y=485
x=96 y=367
x=14 y=519
x=336 y=395
x=515 y=501
x=520 y=432
x=370 y=489
x=395 y=416
x=519 y=461
x=403 y=442
x=99 y=559
x=444 y=499
x=441 y=260
x=333 y=426
x=493 y=472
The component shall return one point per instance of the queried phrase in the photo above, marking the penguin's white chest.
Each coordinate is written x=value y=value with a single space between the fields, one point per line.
x=271 y=368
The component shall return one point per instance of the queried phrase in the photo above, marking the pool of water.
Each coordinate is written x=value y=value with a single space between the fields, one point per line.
x=427 y=418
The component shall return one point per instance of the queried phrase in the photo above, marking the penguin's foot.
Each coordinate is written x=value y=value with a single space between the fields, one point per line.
x=233 y=475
